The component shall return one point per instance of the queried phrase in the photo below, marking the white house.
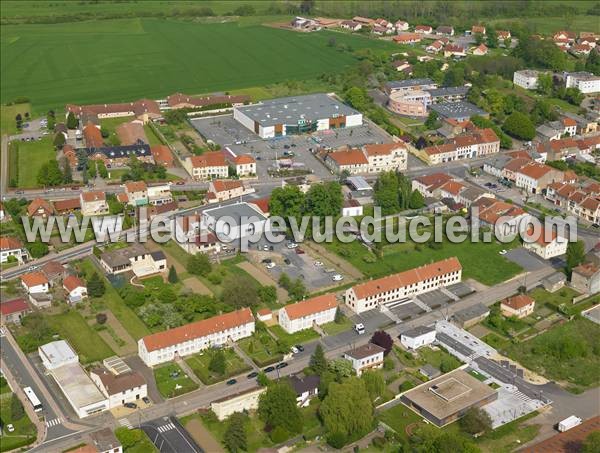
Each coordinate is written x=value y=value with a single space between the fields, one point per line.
x=365 y=357
x=306 y=388
x=187 y=233
x=35 y=282
x=585 y=82
x=417 y=337
x=351 y=208
x=75 y=289
x=547 y=245
x=10 y=246
x=93 y=203
x=369 y=295
x=128 y=387
x=191 y=338
x=304 y=314
x=526 y=78
x=226 y=189
x=235 y=221
x=245 y=165
x=134 y=258
x=207 y=166
x=137 y=193
x=401 y=25
x=243 y=401
x=159 y=195
x=386 y=157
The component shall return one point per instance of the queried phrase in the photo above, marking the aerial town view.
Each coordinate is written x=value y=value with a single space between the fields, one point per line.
x=300 y=226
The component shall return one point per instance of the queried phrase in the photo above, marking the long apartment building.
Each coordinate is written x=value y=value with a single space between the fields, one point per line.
x=370 y=159
x=369 y=295
x=476 y=143
x=306 y=313
x=191 y=338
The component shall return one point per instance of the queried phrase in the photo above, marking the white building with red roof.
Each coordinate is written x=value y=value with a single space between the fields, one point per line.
x=535 y=177
x=369 y=295
x=192 y=238
x=386 y=157
x=226 y=189
x=75 y=289
x=11 y=246
x=547 y=244
x=14 y=310
x=195 y=337
x=93 y=203
x=245 y=165
x=352 y=161
x=35 y=282
x=519 y=306
x=207 y=166
x=306 y=313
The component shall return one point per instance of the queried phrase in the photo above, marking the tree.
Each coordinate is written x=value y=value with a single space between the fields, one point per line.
x=239 y=291
x=592 y=63
x=318 y=362
x=128 y=437
x=386 y=192
x=324 y=199
x=173 y=277
x=432 y=119
x=72 y=121
x=38 y=249
x=95 y=286
x=262 y=379
x=519 y=126
x=101 y=318
x=51 y=118
x=287 y=202
x=199 y=264
x=218 y=362
x=59 y=140
x=383 y=339
x=267 y=294
x=66 y=170
x=19 y=121
x=416 y=200
x=307 y=6
x=374 y=382
x=358 y=98
x=476 y=421
x=575 y=255
x=347 y=411
x=591 y=444
x=342 y=368
x=50 y=174
x=235 y=435
x=545 y=84
x=277 y=406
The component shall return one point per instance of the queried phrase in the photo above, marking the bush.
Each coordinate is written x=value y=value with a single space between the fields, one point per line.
x=101 y=318
x=406 y=385
x=337 y=439
x=279 y=435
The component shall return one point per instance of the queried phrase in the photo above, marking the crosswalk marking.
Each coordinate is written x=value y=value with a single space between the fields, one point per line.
x=165 y=428
x=53 y=422
x=125 y=422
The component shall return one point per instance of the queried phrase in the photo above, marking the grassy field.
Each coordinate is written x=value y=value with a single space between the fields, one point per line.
x=24 y=432
x=30 y=158
x=261 y=348
x=120 y=60
x=567 y=353
x=480 y=261
x=170 y=387
x=7 y=117
x=86 y=341
x=398 y=418
x=143 y=445
x=200 y=363
x=291 y=339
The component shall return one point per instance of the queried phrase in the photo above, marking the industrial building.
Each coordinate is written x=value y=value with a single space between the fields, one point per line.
x=296 y=115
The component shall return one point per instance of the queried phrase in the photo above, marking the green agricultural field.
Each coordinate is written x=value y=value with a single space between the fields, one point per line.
x=119 y=60
x=30 y=156
x=86 y=341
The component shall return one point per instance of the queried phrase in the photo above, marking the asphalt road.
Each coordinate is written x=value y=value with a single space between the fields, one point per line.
x=169 y=436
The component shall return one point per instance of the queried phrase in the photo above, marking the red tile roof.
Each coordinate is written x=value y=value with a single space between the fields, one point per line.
x=223 y=185
x=37 y=204
x=570 y=441
x=73 y=282
x=136 y=186
x=13 y=306
x=162 y=155
x=384 y=149
x=10 y=243
x=180 y=99
x=262 y=204
x=348 y=157
x=310 y=306
x=131 y=133
x=89 y=197
x=137 y=108
x=434 y=179
x=535 y=170
x=407 y=37
x=34 y=279
x=518 y=302
x=212 y=159
x=452 y=187
x=93 y=136
x=197 y=329
x=67 y=205
x=244 y=159
x=402 y=279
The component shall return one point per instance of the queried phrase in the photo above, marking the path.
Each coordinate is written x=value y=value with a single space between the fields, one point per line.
x=187 y=370
x=264 y=279
x=239 y=351
x=130 y=346
x=203 y=436
x=344 y=265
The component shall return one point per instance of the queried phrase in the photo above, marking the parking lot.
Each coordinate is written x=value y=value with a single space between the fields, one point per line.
x=296 y=149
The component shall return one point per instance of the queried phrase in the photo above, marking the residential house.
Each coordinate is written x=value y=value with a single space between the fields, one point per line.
x=75 y=289
x=244 y=401
x=12 y=311
x=478 y=30
x=428 y=185
x=160 y=195
x=503 y=35
x=454 y=50
x=444 y=30
x=35 y=282
x=585 y=278
x=585 y=82
x=407 y=38
x=220 y=190
x=306 y=388
x=54 y=271
x=306 y=313
x=119 y=388
x=207 y=166
x=132 y=133
x=192 y=238
x=363 y=20
x=402 y=66
x=351 y=25
x=371 y=294
x=503 y=218
x=401 y=25
x=476 y=143
x=40 y=208
x=93 y=203
x=192 y=338
x=495 y=165
x=93 y=136
x=162 y=155
x=386 y=157
x=481 y=49
x=417 y=337
x=434 y=47
x=519 y=306
x=535 y=177
x=245 y=165
x=71 y=155
x=120 y=156
x=547 y=244
x=423 y=29
x=134 y=258
x=352 y=161
x=365 y=357
x=67 y=206
x=351 y=208
x=137 y=193
x=10 y=246
x=526 y=78
x=264 y=314
x=104 y=441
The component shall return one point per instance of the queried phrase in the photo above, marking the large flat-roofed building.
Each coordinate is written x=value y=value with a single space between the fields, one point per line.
x=56 y=354
x=526 y=78
x=296 y=115
x=369 y=295
x=447 y=398
x=459 y=111
x=191 y=338
x=235 y=221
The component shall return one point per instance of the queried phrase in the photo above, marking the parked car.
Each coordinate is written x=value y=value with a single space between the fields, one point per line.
x=231 y=382
x=252 y=375
x=281 y=365
x=299 y=251
x=286 y=261
x=130 y=405
x=291 y=245
x=294 y=350
x=146 y=400
x=265 y=248
x=503 y=252
x=337 y=278
x=299 y=347
x=267 y=261
x=269 y=369
x=359 y=328
x=10 y=428
x=319 y=263
x=270 y=265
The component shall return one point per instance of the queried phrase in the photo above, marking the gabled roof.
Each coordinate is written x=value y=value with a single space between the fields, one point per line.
x=67 y=205
x=364 y=351
x=211 y=159
x=89 y=197
x=244 y=159
x=136 y=186
x=452 y=187
x=34 y=279
x=93 y=136
x=518 y=302
x=535 y=170
x=222 y=185
x=53 y=268
x=162 y=155
x=348 y=157
x=10 y=243
x=13 y=306
x=72 y=282
x=310 y=306
x=118 y=383
x=383 y=149
x=37 y=204
x=434 y=180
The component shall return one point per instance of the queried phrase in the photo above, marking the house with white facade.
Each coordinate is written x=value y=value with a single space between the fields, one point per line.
x=519 y=306
x=365 y=357
x=369 y=295
x=535 y=177
x=586 y=82
x=75 y=289
x=386 y=157
x=306 y=388
x=351 y=161
x=417 y=337
x=93 y=203
x=306 y=313
x=119 y=388
x=220 y=190
x=526 y=78
x=352 y=208
x=35 y=282
x=207 y=166
x=197 y=336
x=137 y=193
x=134 y=258
x=245 y=165
x=547 y=245
x=10 y=246
x=159 y=195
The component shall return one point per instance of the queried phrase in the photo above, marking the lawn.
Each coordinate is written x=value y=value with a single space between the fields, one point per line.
x=303 y=336
x=87 y=343
x=333 y=328
x=24 y=432
x=200 y=364
x=436 y=357
x=170 y=387
x=261 y=348
x=567 y=353
x=30 y=158
x=127 y=59
x=8 y=113
x=398 y=418
x=130 y=321
x=553 y=300
x=479 y=260
x=143 y=445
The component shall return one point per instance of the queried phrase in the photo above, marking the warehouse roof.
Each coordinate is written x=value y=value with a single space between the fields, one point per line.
x=460 y=109
x=294 y=109
x=236 y=212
